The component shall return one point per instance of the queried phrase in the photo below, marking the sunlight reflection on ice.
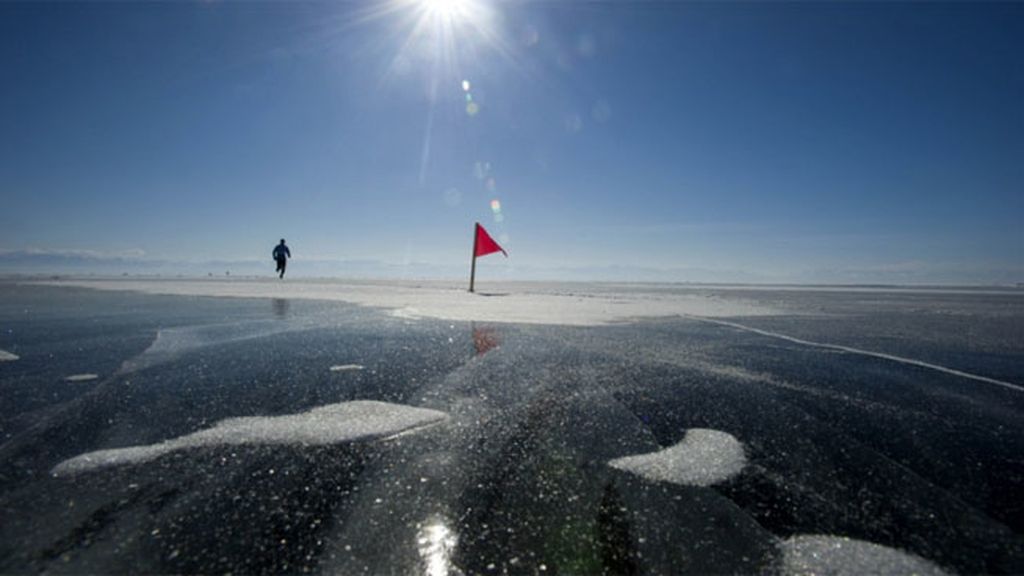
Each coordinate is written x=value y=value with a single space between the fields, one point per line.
x=6 y=356
x=704 y=457
x=840 y=556
x=81 y=377
x=435 y=542
x=329 y=424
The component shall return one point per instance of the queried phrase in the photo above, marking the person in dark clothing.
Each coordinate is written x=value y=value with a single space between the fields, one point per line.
x=281 y=255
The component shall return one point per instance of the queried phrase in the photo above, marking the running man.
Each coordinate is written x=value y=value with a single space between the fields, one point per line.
x=281 y=254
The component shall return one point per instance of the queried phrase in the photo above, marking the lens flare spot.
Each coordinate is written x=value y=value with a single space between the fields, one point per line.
x=472 y=109
x=481 y=169
x=452 y=197
x=495 y=206
x=573 y=123
x=585 y=46
x=499 y=217
x=491 y=185
x=530 y=36
x=465 y=85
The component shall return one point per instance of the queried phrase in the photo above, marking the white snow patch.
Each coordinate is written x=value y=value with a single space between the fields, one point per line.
x=530 y=303
x=704 y=457
x=346 y=367
x=329 y=424
x=6 y=356
x=81 y=377
x=841 y=556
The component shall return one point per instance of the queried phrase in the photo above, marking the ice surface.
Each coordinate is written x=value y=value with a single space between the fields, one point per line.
x=6 y=356
x=704 y=457
x=171 y=343
x=836 y=443
x=535 y=303
x=331 y=424
x=81 y=377
x=841 y=556
x=851 y=350
x=346 y=367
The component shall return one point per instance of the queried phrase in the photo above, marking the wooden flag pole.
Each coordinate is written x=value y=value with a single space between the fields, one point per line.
x=472 y=267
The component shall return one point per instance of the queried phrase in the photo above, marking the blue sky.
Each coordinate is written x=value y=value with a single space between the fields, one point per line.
x=805 y=142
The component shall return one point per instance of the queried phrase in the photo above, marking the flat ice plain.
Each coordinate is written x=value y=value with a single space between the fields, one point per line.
x=358 y=427
x=528 y=303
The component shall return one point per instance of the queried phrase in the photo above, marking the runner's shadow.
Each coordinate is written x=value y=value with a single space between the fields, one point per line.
x=490 y=294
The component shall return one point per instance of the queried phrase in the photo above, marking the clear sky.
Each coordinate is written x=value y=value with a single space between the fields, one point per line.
x=835 y=142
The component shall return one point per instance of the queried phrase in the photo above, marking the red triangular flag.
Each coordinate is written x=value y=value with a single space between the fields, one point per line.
x=485 y=244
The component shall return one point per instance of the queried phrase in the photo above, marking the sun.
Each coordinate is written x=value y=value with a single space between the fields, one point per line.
x=451 y=10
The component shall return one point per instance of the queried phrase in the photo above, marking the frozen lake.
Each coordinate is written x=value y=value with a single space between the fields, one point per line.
x=249 y=427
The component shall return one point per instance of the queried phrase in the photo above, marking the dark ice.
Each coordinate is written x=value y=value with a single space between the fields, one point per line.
x=269 y=436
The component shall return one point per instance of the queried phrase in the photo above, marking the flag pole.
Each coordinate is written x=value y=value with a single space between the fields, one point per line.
x=472 y=267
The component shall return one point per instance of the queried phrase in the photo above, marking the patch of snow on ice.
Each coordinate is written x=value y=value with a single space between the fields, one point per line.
x=529 y=303
x=840 y=556
x=6 y=356
x=331 y=424
x=346 y=367
x=81 y=377
x=704 y=457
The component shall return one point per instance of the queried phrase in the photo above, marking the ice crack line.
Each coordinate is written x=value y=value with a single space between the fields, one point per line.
x=882 y=355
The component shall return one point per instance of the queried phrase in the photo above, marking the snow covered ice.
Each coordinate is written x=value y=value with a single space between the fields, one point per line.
x=702 y=458
x=343 y=422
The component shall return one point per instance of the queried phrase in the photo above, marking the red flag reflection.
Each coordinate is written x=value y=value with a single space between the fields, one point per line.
x=485 y=339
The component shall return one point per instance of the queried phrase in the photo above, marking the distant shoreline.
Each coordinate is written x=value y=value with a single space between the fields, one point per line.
x=785 y=286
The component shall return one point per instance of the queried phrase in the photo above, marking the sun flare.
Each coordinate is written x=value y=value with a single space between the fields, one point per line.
x=448 y=9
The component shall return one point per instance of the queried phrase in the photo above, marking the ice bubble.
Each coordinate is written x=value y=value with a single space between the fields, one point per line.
x=704 y=457
x=346 y=367
x=331 y=424
x=81 y=377
x=840 y=556
x=6 y=356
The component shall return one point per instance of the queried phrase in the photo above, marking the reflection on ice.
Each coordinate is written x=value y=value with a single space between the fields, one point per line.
x=81 y=377
x=280 y=306
x=841 y=556
x=6 y=356
x=485 y=339
x=435 y=542
x=329 y=424
x=704 y=457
